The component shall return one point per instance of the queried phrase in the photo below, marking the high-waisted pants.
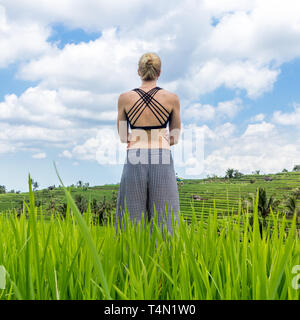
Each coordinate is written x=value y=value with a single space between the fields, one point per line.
x=148 y=183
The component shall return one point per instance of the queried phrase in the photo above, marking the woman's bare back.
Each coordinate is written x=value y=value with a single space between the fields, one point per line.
x=164 y=107
x=158 y=110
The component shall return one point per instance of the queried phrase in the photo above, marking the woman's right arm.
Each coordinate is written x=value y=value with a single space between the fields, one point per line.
x=175 y=122
x=122 y=123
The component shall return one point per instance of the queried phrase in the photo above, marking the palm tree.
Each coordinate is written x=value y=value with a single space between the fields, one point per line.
x=265 y=204
x=81 y=202
x=292 y=207
x=86 y=186
x=296 y=193
x=237 y=174
x=2 y=189
x=35 y=185
x=296 y=167
x=291 y=204
x=229 y=173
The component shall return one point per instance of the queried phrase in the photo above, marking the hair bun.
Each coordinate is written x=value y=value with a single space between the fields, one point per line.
x=149 y=62
x=149 y=66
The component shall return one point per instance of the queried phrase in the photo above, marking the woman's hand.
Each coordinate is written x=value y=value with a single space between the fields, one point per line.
x=128 y=139
x=132 y=139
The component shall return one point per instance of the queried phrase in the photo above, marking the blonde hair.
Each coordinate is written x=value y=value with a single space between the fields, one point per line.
x=149 y=66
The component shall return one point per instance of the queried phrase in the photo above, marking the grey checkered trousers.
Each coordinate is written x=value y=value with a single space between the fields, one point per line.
x=148 y=181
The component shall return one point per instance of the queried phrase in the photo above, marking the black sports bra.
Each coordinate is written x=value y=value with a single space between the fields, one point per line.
x=147 y=100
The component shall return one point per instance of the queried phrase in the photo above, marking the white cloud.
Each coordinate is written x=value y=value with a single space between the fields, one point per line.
x=104 y=147
x=41 y=107
x=262 y=31
x=206 y=112
x=260 y=128
x=259 y=117
x=220 y=7
x=292 y=118
x=41 y=155
x=199 y=112
x=21 y=41
x=61 y=118
x=89 y=15
x=56 y=108
x=236 y=75
x=106 y=65
x=22 y=137
x=5 y=148
x=66 y=154
x=87 y=151
x=224 y=131
x=261 y=147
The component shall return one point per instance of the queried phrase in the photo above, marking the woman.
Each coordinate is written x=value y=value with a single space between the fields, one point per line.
x=148 y=180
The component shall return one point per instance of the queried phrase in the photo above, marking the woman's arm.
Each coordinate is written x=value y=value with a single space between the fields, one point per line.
x=175 y=122
x=122 y=123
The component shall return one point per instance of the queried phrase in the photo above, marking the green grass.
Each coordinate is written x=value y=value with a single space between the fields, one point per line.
x=205 y=259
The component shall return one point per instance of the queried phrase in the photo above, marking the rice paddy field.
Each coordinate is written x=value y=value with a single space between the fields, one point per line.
x=215 y=253
x=224 y=194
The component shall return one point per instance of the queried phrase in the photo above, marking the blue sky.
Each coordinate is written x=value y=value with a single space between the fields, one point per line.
x=234 y=65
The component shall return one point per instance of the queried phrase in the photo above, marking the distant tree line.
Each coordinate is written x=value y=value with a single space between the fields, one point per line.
x=233 y=173
x=230 y=174
x=3 y=190
x=295 y=169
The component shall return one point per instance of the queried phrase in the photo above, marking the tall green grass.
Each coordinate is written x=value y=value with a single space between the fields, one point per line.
x=206 y=259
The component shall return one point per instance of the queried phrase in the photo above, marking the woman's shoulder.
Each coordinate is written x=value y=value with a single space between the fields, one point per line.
x=170 y=98
x=168 y=93
x=127 y=94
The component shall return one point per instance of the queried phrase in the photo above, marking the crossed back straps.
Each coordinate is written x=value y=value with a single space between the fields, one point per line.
x=147 y=100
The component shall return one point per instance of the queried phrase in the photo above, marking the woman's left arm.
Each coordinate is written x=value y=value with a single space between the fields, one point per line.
x=175 y=121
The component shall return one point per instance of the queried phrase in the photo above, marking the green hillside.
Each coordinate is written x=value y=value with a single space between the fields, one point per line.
x=225 y=193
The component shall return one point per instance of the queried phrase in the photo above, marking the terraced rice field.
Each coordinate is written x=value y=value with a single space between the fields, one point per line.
x=223 y=194
x=226 y=194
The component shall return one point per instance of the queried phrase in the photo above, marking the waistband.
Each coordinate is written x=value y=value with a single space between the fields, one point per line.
x=149 y=150
x=149 y=156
